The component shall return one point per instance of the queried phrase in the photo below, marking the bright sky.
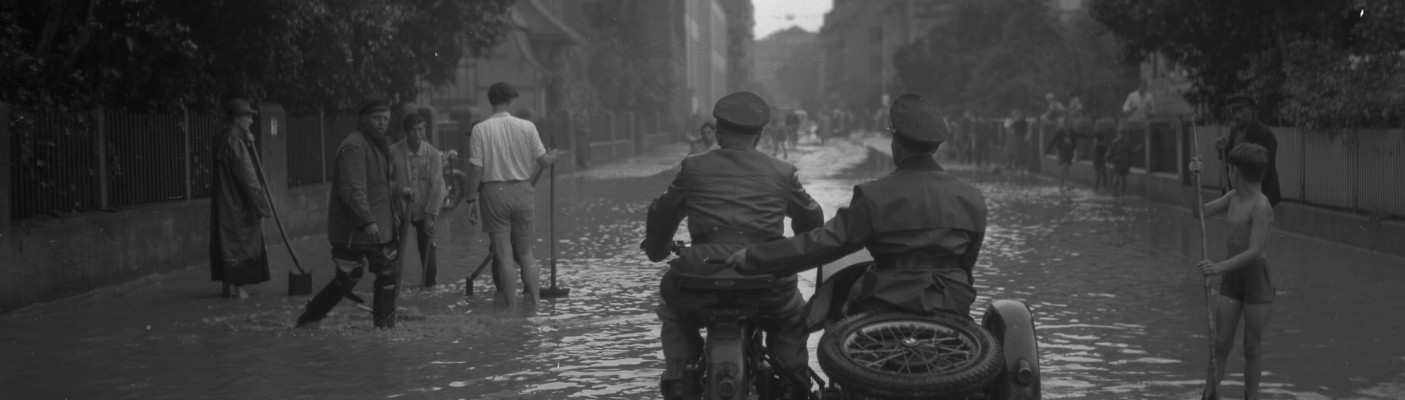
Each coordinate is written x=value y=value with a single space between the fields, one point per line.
x=776 y=15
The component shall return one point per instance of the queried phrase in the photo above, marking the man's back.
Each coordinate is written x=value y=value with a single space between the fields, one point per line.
x=506 y=147
x=733 y=192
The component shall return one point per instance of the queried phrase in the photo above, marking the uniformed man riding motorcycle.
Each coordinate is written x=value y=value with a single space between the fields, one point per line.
x=732 y=196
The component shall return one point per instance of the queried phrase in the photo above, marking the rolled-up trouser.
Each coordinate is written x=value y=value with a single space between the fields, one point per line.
x=350 y=262
x=780 y=319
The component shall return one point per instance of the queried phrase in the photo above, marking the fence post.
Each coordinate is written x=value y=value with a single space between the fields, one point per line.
x=6 y=184
x=274 y=152
x=101 y=143
x=322 y=142
x=189 y=155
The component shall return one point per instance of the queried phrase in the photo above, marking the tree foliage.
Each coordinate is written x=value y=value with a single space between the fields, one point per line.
x=997 y=55
x=163 y=54
x=1317 y=63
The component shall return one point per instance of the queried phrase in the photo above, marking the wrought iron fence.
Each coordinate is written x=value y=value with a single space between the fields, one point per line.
x=147 y=162
x=56 y=169
x=306 y=152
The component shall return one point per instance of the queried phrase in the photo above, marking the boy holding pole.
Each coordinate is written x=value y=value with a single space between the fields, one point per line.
x=1245 y=286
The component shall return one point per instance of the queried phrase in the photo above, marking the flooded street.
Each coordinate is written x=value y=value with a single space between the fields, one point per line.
x=1119 y=308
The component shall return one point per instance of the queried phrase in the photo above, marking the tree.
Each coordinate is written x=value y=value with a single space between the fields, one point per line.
x=164 y=54
x=1317 y=63
x=998 y=55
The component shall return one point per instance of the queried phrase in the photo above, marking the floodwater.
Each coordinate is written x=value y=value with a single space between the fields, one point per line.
x=1120 y=310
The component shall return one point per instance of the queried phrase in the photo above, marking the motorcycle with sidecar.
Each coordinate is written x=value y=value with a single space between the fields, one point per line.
x=873 y=355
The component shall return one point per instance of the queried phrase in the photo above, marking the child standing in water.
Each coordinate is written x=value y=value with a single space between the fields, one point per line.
x=1245 y=285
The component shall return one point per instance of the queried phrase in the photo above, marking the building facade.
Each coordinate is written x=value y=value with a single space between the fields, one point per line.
x=858 y=41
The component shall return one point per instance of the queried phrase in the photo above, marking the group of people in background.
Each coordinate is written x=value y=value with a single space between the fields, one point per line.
x=384 y=186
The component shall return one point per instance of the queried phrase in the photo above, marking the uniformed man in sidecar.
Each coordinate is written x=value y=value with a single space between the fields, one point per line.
x=923 y=226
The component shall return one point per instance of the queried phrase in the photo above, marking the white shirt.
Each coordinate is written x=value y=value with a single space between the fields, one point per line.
x=506 y=147
x=1139 y=105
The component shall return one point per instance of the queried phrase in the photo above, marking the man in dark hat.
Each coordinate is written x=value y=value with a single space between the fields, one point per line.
x=237 y=204
x=360 y=221
x=1247 y=129
x=923 y=226
x=732 y=196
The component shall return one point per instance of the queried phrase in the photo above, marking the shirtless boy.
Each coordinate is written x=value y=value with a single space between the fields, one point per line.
x=1245 y=285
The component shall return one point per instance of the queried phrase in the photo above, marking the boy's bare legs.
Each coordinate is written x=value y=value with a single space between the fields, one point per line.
x=522 y=249
x=1227 y=325
x=503 y=263
x=1255 y=319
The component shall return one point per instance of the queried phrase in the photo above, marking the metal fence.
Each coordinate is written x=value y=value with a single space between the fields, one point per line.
x=147 y=161
x=1361 y=171
x=74 y=162
x=56 y=169
x=306 y=152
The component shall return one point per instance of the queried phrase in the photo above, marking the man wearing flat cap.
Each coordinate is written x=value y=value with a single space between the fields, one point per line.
x=732 y=196
x=1247 y=129
x=237 y=206
x=360 y=221
x=923 y=226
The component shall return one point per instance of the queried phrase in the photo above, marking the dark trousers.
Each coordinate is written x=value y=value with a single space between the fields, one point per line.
x=424 y=238
x=350 y=262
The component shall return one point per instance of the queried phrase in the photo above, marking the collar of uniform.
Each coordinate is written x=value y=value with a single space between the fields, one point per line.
x=919 y=164
x=500 y=114
x=735 y=146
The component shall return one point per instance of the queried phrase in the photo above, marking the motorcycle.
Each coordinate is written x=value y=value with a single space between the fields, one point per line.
x=735 y=363
x=873 y=355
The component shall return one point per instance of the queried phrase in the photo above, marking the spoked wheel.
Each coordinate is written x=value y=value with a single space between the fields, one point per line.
x=901 y=356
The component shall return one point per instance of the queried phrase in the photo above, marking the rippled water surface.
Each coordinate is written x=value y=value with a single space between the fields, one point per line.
x=1120 y=311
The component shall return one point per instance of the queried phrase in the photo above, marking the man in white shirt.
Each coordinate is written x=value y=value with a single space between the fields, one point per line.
x=504 y=153
x=421 y=179
x=1140 y=104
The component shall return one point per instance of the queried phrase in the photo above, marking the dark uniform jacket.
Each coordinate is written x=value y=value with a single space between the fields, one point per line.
x=1256 y=133
x=237 y=254
x=361 y=194
x=729 y=195
x=923 y=226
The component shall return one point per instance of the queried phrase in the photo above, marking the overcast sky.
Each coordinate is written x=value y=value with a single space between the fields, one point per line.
x=775 y=15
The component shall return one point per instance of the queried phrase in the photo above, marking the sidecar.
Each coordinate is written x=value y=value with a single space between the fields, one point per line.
x=899 y=355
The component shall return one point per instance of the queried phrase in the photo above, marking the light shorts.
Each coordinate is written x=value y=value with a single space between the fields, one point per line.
x=508 y=207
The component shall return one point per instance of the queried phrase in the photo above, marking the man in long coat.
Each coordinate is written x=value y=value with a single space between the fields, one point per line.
x=237 y=206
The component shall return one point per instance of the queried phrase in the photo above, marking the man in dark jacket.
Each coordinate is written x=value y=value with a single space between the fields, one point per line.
x=360 y=222
x=732 y=196
x=1247 y=129
x=237 y=206
x=923 y=226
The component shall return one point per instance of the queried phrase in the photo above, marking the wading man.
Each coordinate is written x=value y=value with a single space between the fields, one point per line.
x=420 y=174
x=504 y=152
x=732 y=196
x=361 y=223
